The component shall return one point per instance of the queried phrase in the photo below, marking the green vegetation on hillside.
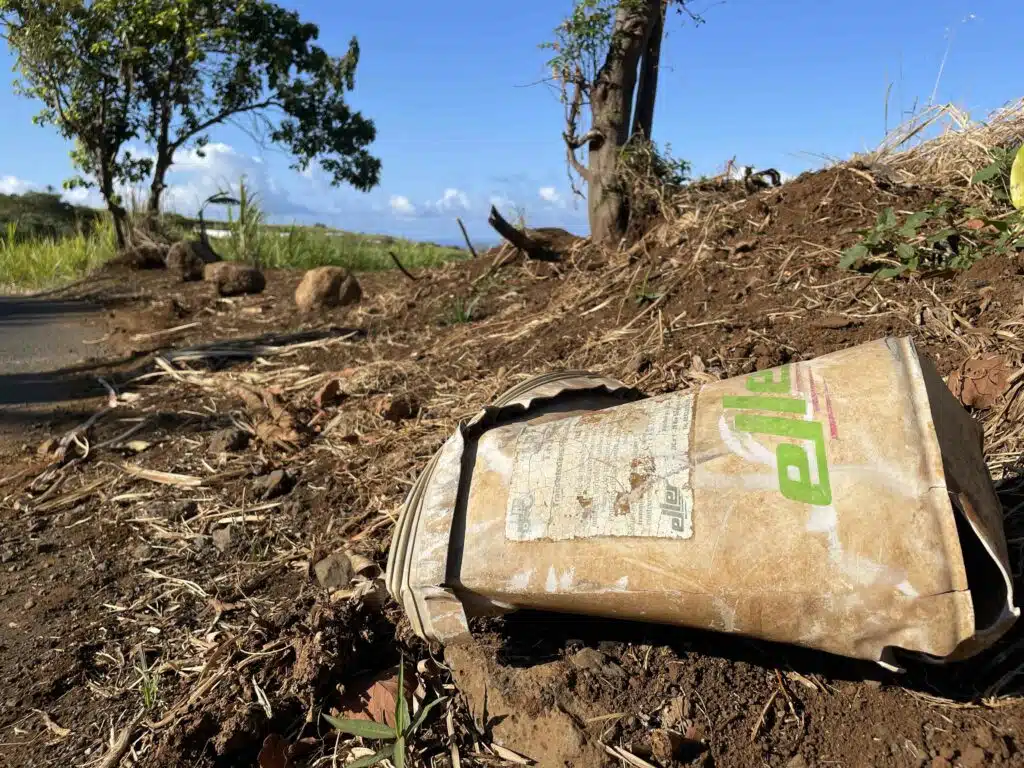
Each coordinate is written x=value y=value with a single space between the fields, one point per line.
x=45 y=242
x=38 y=215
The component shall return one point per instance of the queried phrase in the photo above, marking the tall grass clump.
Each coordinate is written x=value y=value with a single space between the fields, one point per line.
x=251 y=239
x=47 y=262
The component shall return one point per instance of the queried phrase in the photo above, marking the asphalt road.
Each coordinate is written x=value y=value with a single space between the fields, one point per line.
x=39 y=338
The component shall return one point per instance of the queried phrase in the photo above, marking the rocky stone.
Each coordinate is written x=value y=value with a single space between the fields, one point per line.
x=187 y=259
x=224 y=537
x=141 y=552
x=326 y=287
x=232 y=278
x=273 y=484
x=396 y=408
x=665 y=745
x=229 y=439
x=974 y=757
x=592 y=660
x=797 y=761
x=334 y=571
x=7 y=555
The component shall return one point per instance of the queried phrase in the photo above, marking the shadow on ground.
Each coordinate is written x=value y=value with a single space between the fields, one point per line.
x=82 y=382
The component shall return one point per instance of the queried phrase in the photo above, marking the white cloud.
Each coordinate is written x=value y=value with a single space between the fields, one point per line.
x=452 y=200
x=401 y=206
x=550 y=195
x=12 y=185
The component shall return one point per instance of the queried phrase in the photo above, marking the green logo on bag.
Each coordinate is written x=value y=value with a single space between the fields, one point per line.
x=793 y=460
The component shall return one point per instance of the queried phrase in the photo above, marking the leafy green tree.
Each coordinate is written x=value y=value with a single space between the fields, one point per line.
x=78 y=61
x=166 y=72
x=606 y=60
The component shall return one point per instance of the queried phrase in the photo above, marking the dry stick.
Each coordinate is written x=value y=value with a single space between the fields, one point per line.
x=398 y=264
x=465 y=236
x=120 y=745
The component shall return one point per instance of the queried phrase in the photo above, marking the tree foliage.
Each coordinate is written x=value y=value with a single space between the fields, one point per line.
x=166 y=72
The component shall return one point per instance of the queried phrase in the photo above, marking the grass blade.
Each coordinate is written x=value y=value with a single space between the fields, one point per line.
x=424 y=712
x=365 y=728
x=399 y=756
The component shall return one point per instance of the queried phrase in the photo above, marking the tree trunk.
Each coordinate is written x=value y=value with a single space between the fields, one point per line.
x=647 y=88
x=157 y=187
x=117 y=211
x=611 y=104
x=164 y=158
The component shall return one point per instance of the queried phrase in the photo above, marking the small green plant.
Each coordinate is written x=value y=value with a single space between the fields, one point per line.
x=644 y=295
x=996 y=175
x=462 y=310
x=148 y=685
x=246 y=235
x=397 y=738
x=892 y=247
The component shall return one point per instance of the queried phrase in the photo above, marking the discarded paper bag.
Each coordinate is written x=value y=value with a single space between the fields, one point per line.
x=841 y=504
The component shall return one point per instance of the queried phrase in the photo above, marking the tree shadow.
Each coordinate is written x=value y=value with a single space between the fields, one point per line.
x=82 y=382
x=532 y=637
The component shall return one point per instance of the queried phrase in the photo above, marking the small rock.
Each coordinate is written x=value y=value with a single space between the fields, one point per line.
x=37 y=524
x=230 y=439
x=141 y=552
x=940 y=762
x=797 y=761
x=665 y=745
x=232 y=278
x=30 y=604
x=592 y=660
x=47 y=448
x=7 y=555
x=973 y=757
x=325 y=287
x=396 y=408
x=273 y=484
x=224 y=538
x=334 y=571
x=181 y=510
x=187 y=258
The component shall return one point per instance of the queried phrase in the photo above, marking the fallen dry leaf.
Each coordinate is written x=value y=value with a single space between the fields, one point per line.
x=980 y=381
x=374 y=697
x=974 y=224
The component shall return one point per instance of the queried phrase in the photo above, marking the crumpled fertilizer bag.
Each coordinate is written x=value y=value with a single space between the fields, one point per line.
x=841 y=504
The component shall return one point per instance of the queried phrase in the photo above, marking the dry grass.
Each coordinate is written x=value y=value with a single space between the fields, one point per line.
x=950 y=159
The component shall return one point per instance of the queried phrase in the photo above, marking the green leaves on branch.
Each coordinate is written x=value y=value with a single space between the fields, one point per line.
x=165 y=72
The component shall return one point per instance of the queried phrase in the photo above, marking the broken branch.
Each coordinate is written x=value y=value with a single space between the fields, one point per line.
x=465 y=236
x=520 y=239
x=398 y=264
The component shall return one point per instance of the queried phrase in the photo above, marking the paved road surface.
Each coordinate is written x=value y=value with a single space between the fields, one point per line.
x=39 y=337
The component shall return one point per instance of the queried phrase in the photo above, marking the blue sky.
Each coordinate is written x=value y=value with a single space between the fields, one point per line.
x=777 y=84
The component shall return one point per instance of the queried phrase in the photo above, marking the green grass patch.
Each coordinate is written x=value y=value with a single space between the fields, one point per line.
x=48 y=262
x=63 y=244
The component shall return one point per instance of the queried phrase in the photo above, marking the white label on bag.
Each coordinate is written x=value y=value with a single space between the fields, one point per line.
x=624 y=471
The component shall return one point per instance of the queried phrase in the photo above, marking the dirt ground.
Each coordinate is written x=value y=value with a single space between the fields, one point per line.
x=160 y=588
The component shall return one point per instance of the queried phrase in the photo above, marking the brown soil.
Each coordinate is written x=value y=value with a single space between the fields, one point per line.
x=189 y=617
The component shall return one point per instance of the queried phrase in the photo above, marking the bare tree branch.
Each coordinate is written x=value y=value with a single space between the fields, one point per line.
x=521 y=239
x=465 y=236
x=398 y=264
